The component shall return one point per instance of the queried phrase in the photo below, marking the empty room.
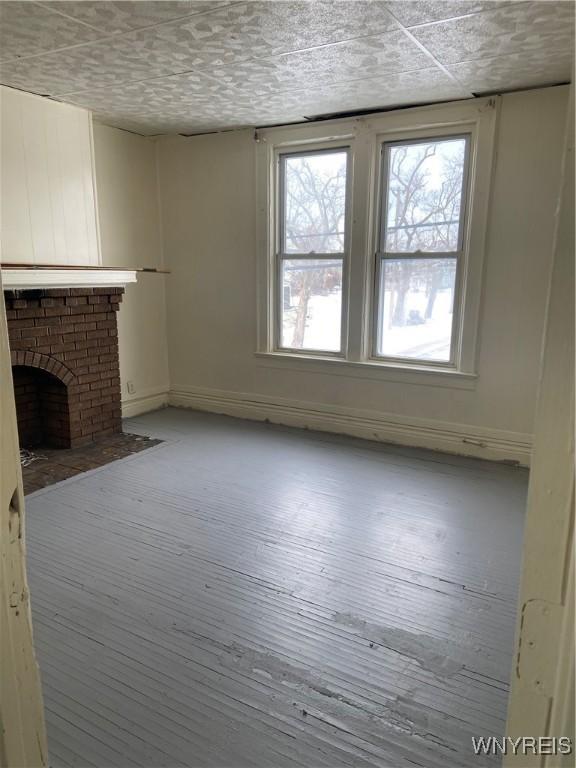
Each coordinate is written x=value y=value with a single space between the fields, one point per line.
x=287 y=354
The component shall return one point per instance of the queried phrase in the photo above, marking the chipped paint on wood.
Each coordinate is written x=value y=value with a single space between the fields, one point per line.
x=22 y=733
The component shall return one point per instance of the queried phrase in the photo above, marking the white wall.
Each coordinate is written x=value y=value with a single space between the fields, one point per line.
x=47 y=185
x=130 y=235
x=207 y=192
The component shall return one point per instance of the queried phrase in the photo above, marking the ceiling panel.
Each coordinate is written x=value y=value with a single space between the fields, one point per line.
x=198 y=65
x=355 y=60
x=518 y=70
x=27 y=29
x=112 y=18
x=510 y=29
x=107 y=63
x=411 y=12
x=166 y=96
x=419 y=87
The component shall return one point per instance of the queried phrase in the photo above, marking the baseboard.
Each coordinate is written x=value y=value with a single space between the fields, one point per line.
x=151 y=401
x=462 y=439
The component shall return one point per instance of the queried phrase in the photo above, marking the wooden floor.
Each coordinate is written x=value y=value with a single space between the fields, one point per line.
x=250 y=595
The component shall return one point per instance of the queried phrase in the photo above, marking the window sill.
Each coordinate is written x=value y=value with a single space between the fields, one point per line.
x=370 y=369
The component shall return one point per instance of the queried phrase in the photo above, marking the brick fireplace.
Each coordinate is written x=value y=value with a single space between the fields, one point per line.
x=64 y=348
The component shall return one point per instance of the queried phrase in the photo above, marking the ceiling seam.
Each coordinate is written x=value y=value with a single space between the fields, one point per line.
x=49 y=9
x=436 y=22
x=437 y=63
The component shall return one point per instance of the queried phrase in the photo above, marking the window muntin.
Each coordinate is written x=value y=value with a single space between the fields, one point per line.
x=423 y=195
x=312 y=245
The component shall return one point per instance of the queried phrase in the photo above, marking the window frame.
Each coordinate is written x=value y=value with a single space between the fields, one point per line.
x=280 y=154
x=459 y=255
x=364 y=136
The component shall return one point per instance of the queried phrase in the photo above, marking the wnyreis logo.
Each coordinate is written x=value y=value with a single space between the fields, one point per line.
x=523 y=745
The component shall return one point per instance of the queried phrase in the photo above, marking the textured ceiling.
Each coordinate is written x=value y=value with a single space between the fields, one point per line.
x=200 y=65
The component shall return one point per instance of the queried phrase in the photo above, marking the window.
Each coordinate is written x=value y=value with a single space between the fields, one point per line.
x=372 y=238
x=421 y=241
x=312 y=242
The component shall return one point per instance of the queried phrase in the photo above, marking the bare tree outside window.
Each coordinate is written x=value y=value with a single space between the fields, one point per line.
x=424 y=192
x=424 y=196
x=313 y=241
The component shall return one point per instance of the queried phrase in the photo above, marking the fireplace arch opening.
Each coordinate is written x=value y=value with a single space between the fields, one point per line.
x=42 y=408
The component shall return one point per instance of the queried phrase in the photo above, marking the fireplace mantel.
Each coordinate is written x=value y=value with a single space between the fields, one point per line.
x=14 y=279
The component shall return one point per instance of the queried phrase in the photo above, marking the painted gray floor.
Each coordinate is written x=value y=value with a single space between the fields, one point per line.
x=251 y=595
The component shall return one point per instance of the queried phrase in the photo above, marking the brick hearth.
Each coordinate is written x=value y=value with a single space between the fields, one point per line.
x=64 y=347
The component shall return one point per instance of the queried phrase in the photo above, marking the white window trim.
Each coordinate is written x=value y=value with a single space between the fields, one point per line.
x=365 y=136
x=460 y=254
x=276 y=213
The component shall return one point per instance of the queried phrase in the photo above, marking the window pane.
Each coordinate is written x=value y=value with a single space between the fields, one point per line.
x=416 y=305
x=311 y=304
x=424 y=198
x=314 y=202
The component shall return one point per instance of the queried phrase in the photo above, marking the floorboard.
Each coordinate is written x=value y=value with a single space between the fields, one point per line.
x=249 y=595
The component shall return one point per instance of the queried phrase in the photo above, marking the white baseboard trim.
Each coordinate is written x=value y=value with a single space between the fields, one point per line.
x=151 y=401
x=462 y=439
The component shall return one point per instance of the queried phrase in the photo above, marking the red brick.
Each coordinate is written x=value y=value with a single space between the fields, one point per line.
x=98 y=334
x=22 y=344
x=89 y=378
x=35 y=312
x=82 y=309
x=76 y=354
x=81 y=291
x=109 y=357
x=85 y=326
x=56 y=311
x=26 y=323
x=50 y=322
x=28 y=333
x=66 y=337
